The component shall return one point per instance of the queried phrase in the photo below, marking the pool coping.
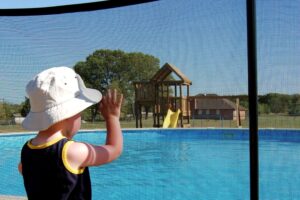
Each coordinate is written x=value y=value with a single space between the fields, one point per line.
x=147 y=129
x=10 y=197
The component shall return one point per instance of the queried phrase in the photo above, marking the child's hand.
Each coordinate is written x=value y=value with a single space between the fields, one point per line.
x=82 y=154
x=110 y=105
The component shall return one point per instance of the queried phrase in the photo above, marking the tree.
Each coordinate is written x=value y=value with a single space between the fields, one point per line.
x=25 y=107
x=263 y=108
x=7 y=110
x=278 y=103
x=294 y=108
x=106 y=69
x=2 y=111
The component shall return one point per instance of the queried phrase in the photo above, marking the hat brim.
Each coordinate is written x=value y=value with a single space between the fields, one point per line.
x=37 y=121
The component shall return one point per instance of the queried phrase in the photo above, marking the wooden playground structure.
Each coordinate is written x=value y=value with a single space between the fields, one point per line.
x=161 y=94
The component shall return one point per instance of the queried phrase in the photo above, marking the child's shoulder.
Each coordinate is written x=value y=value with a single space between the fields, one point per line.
x=77 y=151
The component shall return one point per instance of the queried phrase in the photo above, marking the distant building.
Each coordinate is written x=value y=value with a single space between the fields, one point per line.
x=17 y=118
x=215 y=107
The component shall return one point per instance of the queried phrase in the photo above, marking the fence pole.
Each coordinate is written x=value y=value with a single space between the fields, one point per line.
x=252 y=92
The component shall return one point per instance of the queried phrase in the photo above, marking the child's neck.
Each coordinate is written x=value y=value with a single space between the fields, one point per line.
x=51 y=133
x=42 y=138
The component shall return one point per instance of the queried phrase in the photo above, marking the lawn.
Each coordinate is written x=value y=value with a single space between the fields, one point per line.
x=264 y=121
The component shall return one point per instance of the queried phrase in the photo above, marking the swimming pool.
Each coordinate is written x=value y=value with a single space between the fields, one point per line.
x=180 y=164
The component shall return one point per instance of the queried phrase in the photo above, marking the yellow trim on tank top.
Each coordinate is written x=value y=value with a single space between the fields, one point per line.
x=65 y=160
x=47 y=144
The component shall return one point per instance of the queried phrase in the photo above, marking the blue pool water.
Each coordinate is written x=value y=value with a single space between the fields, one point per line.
x=180 y=164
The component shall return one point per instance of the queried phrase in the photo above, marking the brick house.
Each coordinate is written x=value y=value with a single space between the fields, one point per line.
x=215 y=107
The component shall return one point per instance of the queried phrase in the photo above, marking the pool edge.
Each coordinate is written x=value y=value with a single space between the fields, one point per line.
x=10 y=197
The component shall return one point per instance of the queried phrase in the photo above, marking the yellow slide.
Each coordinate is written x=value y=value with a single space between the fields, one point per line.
x=171 y=119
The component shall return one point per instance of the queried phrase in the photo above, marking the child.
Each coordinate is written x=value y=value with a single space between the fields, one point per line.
x=53 y=166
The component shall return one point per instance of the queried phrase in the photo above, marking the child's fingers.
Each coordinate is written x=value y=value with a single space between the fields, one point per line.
x=108 y=95
x=120 y=99
x=114 y=96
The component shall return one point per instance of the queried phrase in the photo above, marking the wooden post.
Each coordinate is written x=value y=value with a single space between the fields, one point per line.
x=141 y=116
x=154 y=107
x=162 y=109
x=154 y=116
x=168 y=98
x=135 y=104
x=175 y=97
x=238 y=119
x=181 y=115
x=157 y=106
x=136 y=115
x=188 y=104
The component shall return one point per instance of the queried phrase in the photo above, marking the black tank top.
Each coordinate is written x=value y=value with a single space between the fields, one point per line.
x=48 y=176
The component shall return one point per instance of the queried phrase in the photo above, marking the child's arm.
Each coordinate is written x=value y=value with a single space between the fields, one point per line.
x=20 y=168
x=82 y=154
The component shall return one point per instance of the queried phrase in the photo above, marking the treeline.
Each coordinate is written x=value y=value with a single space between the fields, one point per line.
x=8 y=110
x=279 y=103
x=273 y=103
x=105 y=69
x=267 y=104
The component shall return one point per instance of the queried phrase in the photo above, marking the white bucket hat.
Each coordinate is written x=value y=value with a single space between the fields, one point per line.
x=57 y=94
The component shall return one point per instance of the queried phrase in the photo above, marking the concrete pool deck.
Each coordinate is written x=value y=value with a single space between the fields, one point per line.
x=8 y=197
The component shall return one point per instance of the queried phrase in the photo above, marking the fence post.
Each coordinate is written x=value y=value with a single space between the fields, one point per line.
x=252 y=92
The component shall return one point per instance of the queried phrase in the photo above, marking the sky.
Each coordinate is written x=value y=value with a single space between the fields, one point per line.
x=206 y=40
x=8 y=4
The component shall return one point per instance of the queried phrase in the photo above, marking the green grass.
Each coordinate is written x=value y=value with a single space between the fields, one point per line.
x=279 y=121
x=11 y=128
x=264 y=121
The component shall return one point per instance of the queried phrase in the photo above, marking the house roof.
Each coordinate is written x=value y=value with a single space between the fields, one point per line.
x=166 y=70
x=206 y=95
x=215 y=103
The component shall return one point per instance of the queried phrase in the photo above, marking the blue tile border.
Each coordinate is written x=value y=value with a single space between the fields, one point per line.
x=292 y=135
